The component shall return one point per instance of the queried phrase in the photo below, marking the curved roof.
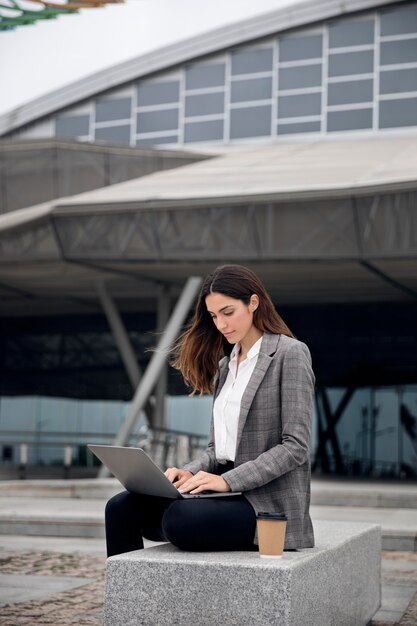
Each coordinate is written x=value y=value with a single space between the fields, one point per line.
x=286 y=17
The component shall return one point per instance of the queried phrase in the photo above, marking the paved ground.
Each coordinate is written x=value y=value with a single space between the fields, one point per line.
x=59 y=580
x=81 y=605
x=399 y=590
x=39 y=564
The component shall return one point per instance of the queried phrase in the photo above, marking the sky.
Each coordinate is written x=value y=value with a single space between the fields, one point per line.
x=35 y=60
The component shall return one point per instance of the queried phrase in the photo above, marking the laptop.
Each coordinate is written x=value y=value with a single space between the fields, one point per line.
x=139 y=474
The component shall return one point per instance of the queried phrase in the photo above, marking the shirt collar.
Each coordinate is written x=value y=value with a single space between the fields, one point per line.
x=254 y=351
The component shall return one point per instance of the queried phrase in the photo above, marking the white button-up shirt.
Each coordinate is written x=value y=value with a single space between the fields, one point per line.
x=226 y=407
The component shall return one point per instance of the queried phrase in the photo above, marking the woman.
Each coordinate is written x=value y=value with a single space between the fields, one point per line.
x=263 y=390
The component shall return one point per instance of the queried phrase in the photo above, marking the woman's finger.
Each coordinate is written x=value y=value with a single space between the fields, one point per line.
x=181 y=481
x=172 y=473
x=190 y=483
x=197 y=486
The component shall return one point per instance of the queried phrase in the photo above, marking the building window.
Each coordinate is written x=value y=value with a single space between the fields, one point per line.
x=204 y=104
x=396 y=113
x=295 y=48
x=300 y=77
x=251 y=61
x=346 y=33
x=398 y=81
x=251 y=89
x=350 y=92
x=299 y=105
x=399 y=21
x=205 y=75
x=250 y=122
x=151 y=121
x=209 y=130
x=164 y=92
x=352 y=119
x=350 y=63
x=117 y=109
x=395 y=52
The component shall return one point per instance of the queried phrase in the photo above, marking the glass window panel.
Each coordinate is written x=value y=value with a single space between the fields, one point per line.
x=204 y=104
x=204 y=131
x=154 y=121
x=397 y=81
x=250 y=122
x=108 y=110
x=72 y=126
x=355 y=33
x=299 y=77
x=251 y=61
x=299 y=105
x=393 y=113
x=351 y=63
x=155 y=141
x=253 y=89
x=158 y=93
x=200 y=76
x=114 y=134
x=349 y=120
x=295 y=48
x=300 y=127
x=350 y=92
x=404 y=51
x=399 y=21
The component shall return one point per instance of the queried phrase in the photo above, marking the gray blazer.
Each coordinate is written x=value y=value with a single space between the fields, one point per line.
x=272 y=464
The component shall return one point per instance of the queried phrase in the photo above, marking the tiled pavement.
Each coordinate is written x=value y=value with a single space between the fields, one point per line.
x=82 y=605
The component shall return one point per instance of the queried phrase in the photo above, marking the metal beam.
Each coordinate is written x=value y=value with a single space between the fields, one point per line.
x=157 y=361
x=159 y=417
x=359 y=229
x=119 y=333
x=122 y=341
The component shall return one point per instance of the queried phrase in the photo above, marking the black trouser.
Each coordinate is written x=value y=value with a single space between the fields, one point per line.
x=200 y=524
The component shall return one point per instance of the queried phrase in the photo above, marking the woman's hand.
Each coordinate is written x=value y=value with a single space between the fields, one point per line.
x=203 y=481
x=178 y=476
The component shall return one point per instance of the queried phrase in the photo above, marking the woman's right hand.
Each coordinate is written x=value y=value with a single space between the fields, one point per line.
x=178 y=476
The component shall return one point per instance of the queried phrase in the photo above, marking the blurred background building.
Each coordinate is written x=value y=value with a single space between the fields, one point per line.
x=286 y=142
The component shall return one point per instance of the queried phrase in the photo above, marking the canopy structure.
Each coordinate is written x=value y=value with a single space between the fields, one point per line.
x=322 y=222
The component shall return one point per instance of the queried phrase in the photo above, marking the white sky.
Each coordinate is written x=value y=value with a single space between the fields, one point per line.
x=40 y=58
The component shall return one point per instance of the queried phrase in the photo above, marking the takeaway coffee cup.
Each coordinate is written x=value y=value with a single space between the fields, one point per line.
x=271 y=534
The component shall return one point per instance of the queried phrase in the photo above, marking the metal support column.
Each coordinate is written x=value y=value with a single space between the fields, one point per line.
x=327 y=429
x=159 y=418
x=158 y=359
x=122 y=341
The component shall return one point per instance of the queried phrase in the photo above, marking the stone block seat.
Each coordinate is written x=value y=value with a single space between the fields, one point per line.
x=336 y=583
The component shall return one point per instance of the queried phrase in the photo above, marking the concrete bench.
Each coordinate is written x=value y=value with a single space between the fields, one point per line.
x=337 y=583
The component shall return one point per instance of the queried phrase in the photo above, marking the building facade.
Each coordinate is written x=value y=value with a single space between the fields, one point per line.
x=349 y=73
x=306 y=124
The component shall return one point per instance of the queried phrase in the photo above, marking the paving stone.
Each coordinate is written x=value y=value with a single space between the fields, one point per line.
x=396 y=566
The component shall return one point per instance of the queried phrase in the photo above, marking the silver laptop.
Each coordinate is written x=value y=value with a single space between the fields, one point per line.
x=139 y=474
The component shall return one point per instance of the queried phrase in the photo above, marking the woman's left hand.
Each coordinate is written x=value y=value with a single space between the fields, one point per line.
x=203 y=481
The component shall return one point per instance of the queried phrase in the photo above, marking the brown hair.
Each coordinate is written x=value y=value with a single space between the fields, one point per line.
x=201 y=346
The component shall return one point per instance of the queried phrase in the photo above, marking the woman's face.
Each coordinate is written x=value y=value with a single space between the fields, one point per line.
x=233 y=318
